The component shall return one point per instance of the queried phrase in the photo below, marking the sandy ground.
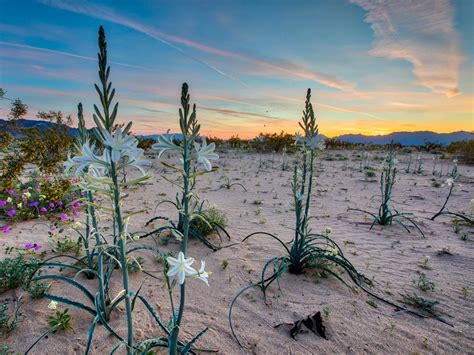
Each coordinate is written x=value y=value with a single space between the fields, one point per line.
x=389 y=255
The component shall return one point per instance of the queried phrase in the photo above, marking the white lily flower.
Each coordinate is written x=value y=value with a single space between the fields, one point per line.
x=136 y=158
x=449 y=182
x=203 y=274
x=314 y=142
x=205 y=152
x=84 y=159
x=165 y=142
x=53 y=305
x=180 y=267
x=299 y=138
x=120 y=144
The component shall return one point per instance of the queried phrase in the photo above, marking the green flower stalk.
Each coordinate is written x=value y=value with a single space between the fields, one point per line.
x=189 y=150
x=386 y=215
x=192 y=148
x=445 y=211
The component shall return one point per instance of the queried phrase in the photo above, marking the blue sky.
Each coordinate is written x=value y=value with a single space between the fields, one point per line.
x=374 y=67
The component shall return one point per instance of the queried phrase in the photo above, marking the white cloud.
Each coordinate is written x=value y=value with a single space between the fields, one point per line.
x=421 y=32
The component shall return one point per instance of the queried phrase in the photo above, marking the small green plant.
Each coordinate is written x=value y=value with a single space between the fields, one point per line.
x=60 y=321
x=227 y=185
x=425 y=307
x=225 y=264
x=5 y=350
x=424 y=264
x=424 y=283
x=465 y=291
x=387 y=214
x=37 y=289
x=372 y=304
x=369 y=173
x=327 y=313
x=9 y=318
x=212 y=221
x=17 y=271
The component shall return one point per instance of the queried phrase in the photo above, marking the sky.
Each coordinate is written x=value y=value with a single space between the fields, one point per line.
x=374 y=66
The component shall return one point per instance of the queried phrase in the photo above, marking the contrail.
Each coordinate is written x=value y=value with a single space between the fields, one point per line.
x=67 y=54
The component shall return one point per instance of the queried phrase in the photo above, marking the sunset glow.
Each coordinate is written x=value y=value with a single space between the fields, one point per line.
x=374 y=67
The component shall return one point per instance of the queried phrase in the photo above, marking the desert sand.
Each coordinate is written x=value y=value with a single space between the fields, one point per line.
x=388 y=255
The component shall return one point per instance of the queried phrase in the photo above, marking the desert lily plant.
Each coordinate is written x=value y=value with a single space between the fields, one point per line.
x=227 y=185
x=419 y=164
x=99 y=168
x=284 y=164
x=365 y=161
x=192 y=150
x=387 y=214
x=435 y=160
x=410 y=160
x=450 y=182
x=454 y=171
x=307 y=250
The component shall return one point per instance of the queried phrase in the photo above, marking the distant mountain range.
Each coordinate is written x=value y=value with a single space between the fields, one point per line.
x=23 y=123
x=409 y=138
x=404 y=138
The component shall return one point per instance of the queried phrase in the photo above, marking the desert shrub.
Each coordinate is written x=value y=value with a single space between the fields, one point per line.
x=272 y=142
x=212 y=217
x=235 y=141
x=5 y=140
x=464 y=150
x=145 y=143
x=47 y=149
x=16 y=271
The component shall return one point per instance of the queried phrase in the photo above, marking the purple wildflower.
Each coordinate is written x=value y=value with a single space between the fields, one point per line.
x=77 y=204
x=43 y=209
x=59 y=203
x=64 y=216
x=3 y=203
x=51 y=205
x=10 y=192
x=29 y=246
x=11 y=213
x=6 y=228
x=33 y=204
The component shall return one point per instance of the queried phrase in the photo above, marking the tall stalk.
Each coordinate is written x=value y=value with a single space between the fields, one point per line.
x=188 y=130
